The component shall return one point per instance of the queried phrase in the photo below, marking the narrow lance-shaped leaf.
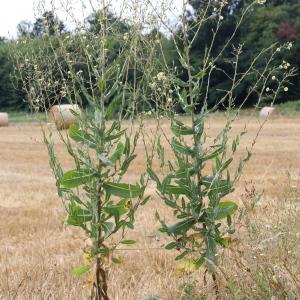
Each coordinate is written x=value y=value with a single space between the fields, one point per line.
x=75 y=178
x=176 y=190
x=128 y=242
x=171 y=245
x=153 y=176
x=114 y=136
x=161 y=153
x=180 y=148
x=79 y=271
x=179 y=129
x=78 y=135
x=118 y=152
x=117 y=209
x=225 y=209
x=108 y=228
x=182 y=227
x=123 y=190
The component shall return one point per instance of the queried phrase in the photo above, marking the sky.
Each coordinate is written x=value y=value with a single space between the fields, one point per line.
x=12 y=12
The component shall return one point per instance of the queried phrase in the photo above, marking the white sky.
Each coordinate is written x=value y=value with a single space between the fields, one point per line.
x=12 y=12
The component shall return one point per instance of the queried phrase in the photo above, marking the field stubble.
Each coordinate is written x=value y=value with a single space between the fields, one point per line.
x=37 y=252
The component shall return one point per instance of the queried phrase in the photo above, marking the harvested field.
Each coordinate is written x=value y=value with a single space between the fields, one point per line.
x=37 y=252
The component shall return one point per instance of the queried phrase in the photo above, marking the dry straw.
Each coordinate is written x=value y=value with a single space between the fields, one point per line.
x=62 y=115
x=3 y=119
x=268 y=112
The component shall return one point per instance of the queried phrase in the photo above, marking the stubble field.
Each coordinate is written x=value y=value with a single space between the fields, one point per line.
x=37 y=252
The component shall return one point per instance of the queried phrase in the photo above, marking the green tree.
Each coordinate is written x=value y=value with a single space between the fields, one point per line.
x=276 y=22
x=279 y=22
x=10 y=98
x=48 y=24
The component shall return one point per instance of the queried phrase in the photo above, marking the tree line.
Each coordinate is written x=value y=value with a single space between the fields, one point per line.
x=278 y=21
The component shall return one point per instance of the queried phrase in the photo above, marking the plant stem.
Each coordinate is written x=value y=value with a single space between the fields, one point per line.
x=213 y=275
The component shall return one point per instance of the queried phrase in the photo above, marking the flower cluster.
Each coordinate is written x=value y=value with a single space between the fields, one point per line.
x=289 y=45
x=285 y=65
x=261 y=2
x=161 y=76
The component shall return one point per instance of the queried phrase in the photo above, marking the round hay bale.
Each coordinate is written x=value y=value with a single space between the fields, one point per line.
x=62 y=116
x=268 y=112
x=3 y=119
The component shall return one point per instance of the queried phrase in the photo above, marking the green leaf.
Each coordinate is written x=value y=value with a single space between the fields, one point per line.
x=117 y=210
x=225 y=209
x=75 y=178
x=226 y=164
x=145 y=200
x=198 y=262
x=182 y=255
x=234 y=145
x=217 y=185
x=177 y=81
x=199 y=128
x=171 y=246
x=126 y=164
x=178 y=147
x=108 y=228
x=177 y=190
x=79 y=271
x=106 y=161
x=210 y=253
x=182 y=227
x=179 y=129
x=75 y=133
x=183 y=173
x=128 y=242
x=200 y=74
x=116 y=261
x=153 y=176
x=117 y=135
x=161 y=153
x=213 y=154
x=123 y=190
x=171 y=203
x=78 y=216
x=118 y=152
x=103 y=252
x=111 y=109
x=97 y=116
x=78 y=135
x=127 y=146
x=101 y=84
x=187 y=266
x=157 y=216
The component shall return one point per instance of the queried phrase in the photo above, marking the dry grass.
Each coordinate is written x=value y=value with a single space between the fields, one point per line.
x=37 y=252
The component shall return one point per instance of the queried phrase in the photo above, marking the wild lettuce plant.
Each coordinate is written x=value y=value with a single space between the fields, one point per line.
x=201 y=174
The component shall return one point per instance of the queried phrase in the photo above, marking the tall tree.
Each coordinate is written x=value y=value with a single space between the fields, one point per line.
x=24 y=29
x=48 y=24
x=10 y=98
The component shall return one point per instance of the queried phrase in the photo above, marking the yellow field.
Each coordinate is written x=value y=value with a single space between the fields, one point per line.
x=37 y=252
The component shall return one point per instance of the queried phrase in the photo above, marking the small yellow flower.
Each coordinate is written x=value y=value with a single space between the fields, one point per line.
x=261 y=2
x=286 y=89
x=289 y=46
x=161 y=76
